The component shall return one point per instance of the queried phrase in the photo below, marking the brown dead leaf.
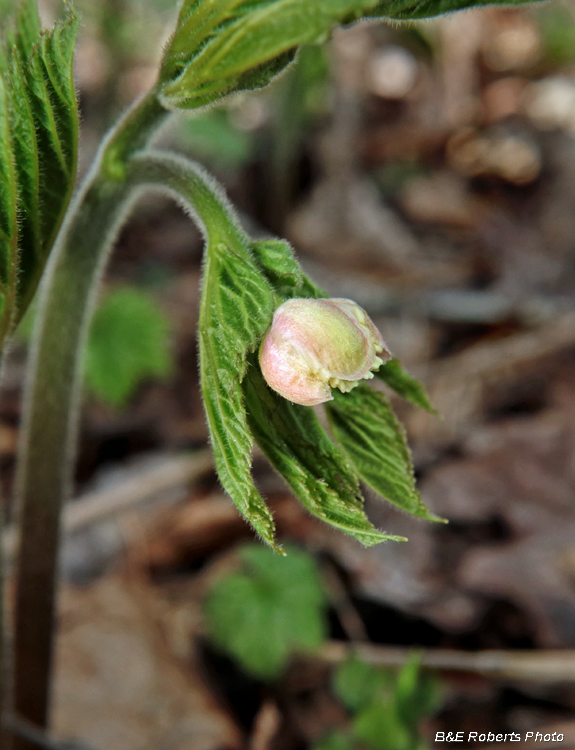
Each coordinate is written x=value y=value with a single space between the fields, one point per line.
x=117 y=685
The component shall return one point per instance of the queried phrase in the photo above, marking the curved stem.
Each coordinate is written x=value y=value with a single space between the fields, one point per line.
x=50 y=413
x=53 y=391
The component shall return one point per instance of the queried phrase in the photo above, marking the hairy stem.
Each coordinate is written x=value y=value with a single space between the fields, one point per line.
x=54 y=385
x=52 y=398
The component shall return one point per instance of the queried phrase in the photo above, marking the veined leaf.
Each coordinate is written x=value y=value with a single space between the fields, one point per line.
x=364 y=424
x=213 y=52
x=42 y=134
x=405 y=385
x=274 y=607
x=301 y=451
x=233 y=45
x=412 y=10
x=277 y=262
x=356 y=683
x=8 y=215
x=236 y=309
x=128 y=343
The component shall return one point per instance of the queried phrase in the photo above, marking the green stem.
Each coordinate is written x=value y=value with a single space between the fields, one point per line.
x=54 y=386
x=52 y=396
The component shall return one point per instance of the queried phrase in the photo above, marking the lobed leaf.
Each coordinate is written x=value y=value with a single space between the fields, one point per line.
x=234 y=45
x=213 y=51
x=128 y=342
x=405 y=385
x=364 y=424
x=278 y=264
x=356 y=683
x=8 y=208
x=380 y=728
x=335 y=741
x=269 y=609
x=413 y=10
x=298 y=447
x=236 y=309
x=40 y=129
x=417 y=693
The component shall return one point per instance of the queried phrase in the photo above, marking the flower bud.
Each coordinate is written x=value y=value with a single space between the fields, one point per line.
x=315 y=345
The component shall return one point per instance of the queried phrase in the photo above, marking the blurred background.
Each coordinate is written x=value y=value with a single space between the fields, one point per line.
x=428 y=172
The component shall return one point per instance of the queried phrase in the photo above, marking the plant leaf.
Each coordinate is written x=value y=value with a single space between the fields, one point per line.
x=235 y=310
x=412 y=10
x=278 y=264
x=364 y=424
x=405 y=385
x=273 y=607
x=8 y=216
x=43 y=136
x=356 y=683
x=298 y=447
x=128 y=342
x=417 y=693
x=335 y=741
x=213 y=53
x=380 y=728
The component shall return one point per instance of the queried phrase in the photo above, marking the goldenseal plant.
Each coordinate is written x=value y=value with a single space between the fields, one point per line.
x=218 y=47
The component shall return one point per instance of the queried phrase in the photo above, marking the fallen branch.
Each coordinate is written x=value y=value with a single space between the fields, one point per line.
x=549 y=666
x=143 y=485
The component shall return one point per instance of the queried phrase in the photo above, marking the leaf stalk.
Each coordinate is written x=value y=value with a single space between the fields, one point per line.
x=52 y=397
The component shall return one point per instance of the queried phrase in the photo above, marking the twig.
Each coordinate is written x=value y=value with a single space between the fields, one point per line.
x=549 y=666
x=266 y=726
x=147 y=483
x=347 y=614
x=26 y=730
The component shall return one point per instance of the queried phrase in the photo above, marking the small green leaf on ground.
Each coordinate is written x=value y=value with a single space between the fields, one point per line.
x=212 y=137
x=356 y=683
x=274 y=607
x=335 y=741
x=128 y=343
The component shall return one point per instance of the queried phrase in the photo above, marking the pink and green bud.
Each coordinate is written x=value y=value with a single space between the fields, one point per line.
x=315 y=345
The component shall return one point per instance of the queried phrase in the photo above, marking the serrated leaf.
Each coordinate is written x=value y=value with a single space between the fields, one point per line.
x=128 y=343
x=380 y=727
x=412 y=10
x=335 y=741
x=301 y=451
x=357 y=683
x=235 y=310
x=213 y=51
x=213 y=48
x=405 y=385
x=261 y=615
x=8 y=213
x=278 y=264
x=25 y=30
x=417 y=693
x=364 y=424
x=43 y=136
